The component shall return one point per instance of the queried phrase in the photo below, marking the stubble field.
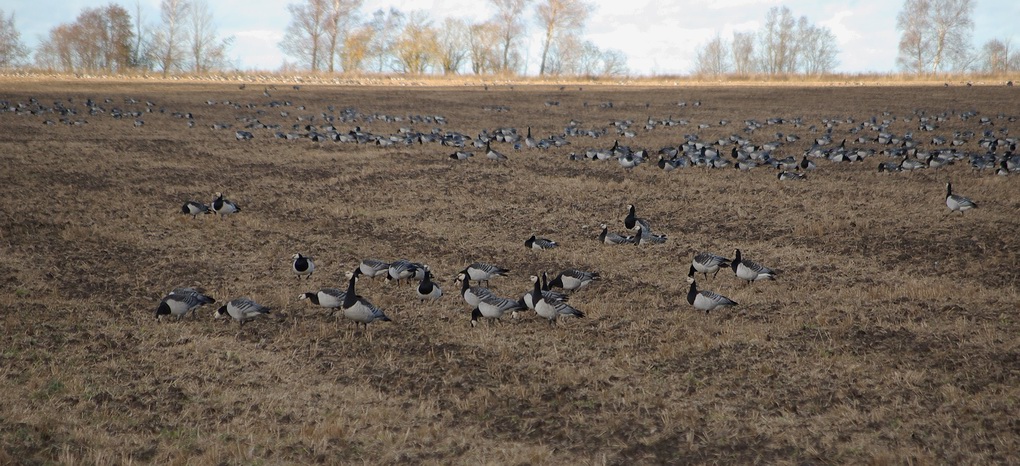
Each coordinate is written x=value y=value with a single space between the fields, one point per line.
x=889 y=337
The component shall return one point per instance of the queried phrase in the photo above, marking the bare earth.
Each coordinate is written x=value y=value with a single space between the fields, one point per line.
x=889 y=337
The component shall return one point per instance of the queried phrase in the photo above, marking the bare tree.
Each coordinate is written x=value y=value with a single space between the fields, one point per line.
x=483 y=43
x=778 y=42
x=998 y=56
x=170 y=39
x=207 y=50
x=386 y=26
x=934 y=34
x=614 y=63
x=452 y=45
x=817 y=50
x=509 y=20
x=712 y=58
x=417 y=43
x=559 y=19
x=338 y=22
x=743 y=53
x=99 y=40
x=12 y=50
x=305 y=34
x=141 y=57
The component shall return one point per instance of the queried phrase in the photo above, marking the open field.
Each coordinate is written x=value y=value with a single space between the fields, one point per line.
x=892 y=334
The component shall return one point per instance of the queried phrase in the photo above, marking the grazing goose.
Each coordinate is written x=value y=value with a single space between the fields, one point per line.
x=613 y=238
x=750 y=270
x=373 y=268
x=529 y=297
x=493 y=155
x=706 y=263
x=402 y=269
x=482 y=272
x=224 y=207
x=472 y=294
x=428 y=289
x=302 y=266
x=705 y=300
x=956 y=202
x=493 y=307
x=241 y=310
x=193 y=208
x=645 y=236
x=539 y=243
x=329 y=298
x=573 y=279
x=358 y=309
x=786 y=176
x=179 y=302
x=632 y=219
x=551 y=309
x=461 y=155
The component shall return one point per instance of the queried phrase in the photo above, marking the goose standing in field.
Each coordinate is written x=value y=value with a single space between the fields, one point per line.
x=645 y=236
x=608 y=237
x=573 y=280
x=402 y=269
x=551 y=309
x=539 y=243
x=358 y=309
x=427 y=289
x=493 y=307
x=179 y=302
x=705 y=300
x=529 y=297
x=956 y=202
x=632 y=219
x=482 y=272
x=224 y=207
x=373 y=268
x=193 y=208
x=750 y=270
x=492 y=154
x=302 y=266
x=472 y=294
x=708 y=263
x=329 y=298
x=242 y=310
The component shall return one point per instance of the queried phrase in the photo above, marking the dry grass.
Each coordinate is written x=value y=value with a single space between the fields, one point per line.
x=890 y=337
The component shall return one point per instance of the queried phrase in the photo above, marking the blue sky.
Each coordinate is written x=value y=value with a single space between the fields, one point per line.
x=658 y=36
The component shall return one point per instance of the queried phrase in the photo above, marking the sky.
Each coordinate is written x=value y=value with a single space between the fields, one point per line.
x=659 y=37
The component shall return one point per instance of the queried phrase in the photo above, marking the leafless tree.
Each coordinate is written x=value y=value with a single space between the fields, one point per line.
x=170 y=39
x=208 y=51
x=386 y=27
x=12 y=50
x=141 y=57
x=483 y=44
x=934 y=35
x=999 y=56
x=338 y=22
x=559 y=19
x=778 y=42
x=416 y=45
x=743 y=53
x=614 y=63
x=305 y=35
x=509 y=19
x=452 y=45
x=817 y=50
x=99 y=40
x=712 y=58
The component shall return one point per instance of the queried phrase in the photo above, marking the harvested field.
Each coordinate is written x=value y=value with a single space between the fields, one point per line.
x=890 y=335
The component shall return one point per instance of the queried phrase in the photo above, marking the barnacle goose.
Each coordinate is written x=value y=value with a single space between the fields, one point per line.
x=492 y=154
x=750 y=270
x=302 y=266
x=705 y=300
x=539 y=243
x=402 y=269
x=631 y=219
x=493 y=307
x=427 y=289
x=706 y=263
x=224 y=207
x=373 y=268
x=358 y=309
x=471 y=294
x=573 y=279
x=193 y=208
x=179 y=302
x=242 y=310
x=645 y=236
x=956 y=202
x=785 y=176
x=613 y=238
x=551 y=309
x=329 y=298
x=529 y=297
x=482 y=272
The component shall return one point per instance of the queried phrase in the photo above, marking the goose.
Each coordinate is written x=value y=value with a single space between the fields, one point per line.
x=785 y=176
x=461 y=155
x=373 y=268
x=493 y=307
x=427 y=289
x=329 y=298
x=302 y=266
x=750 y=270
x=529 y=141
x=956 y=202
x=573 y=279
x=224 y=207
x=706 y=263
x=402 y=269
x=493 y=155
x=632 y=219
x=1003 y=169
x=529 y=297
x=179 y=302
x=482 y=272
x=551 y=309
x=613 y=238
x=358 y=309
x=242 y=310
x=806 y=164
x=539 y=243
x=193 y=208
x=471 y=294
x=705 y=300
x=645 y=236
